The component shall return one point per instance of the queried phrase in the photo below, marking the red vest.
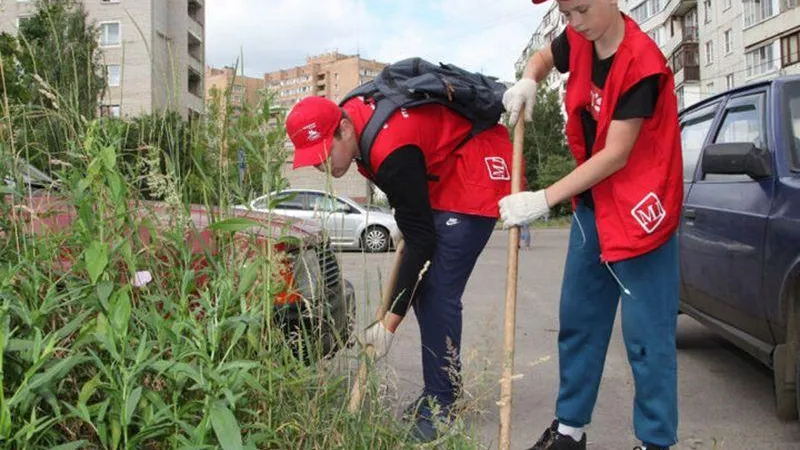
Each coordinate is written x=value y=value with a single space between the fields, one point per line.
x=637 y=208
x=469 y=179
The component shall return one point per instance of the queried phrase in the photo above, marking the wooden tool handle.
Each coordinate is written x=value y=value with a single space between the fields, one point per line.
x=357 y=392
x=504 y=443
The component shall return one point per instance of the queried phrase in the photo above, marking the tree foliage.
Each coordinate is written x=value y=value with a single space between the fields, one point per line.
x=52 y=77
x=547 y=156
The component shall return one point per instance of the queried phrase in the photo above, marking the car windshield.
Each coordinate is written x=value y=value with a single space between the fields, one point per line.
x=31 y=176
x=793 y=103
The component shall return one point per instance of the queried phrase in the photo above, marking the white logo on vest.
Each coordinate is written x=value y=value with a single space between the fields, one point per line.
x=498 y=170
x=649 y=213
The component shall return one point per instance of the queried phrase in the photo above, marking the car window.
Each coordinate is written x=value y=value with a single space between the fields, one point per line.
x=792 y=100
x=342 y=206
x=694 y=130
x=323 y=203
x=291 y=200
x=743 y=121
x=260 y=203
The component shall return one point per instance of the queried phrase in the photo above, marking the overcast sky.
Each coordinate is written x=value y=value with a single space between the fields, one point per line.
x=479 y=35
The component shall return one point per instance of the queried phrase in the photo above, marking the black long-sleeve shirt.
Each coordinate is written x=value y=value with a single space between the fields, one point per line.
x=403 y=177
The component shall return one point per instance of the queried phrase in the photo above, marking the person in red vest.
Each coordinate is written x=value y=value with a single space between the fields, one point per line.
x=445 y=196
x=622 y=129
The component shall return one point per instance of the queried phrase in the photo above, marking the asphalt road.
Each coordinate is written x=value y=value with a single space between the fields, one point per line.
x=726 y=399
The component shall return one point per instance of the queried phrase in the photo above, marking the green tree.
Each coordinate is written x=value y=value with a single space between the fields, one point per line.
x=53 y=77
x=547 y=156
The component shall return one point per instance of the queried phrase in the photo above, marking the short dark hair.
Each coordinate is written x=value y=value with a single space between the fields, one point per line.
x=338 y=132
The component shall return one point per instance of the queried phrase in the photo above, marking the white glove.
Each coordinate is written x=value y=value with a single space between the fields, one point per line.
x=523 y=207
x=522 y=94
x=380 y=338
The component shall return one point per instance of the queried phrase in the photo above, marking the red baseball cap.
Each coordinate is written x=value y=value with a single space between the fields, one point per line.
x=310 y=126
x=538 y=1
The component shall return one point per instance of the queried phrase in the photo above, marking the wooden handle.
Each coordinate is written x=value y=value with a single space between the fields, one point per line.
x=386 y=299
x=357 y=392
x=504 y=443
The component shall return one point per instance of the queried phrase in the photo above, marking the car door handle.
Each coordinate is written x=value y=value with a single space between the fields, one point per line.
x=690 y=214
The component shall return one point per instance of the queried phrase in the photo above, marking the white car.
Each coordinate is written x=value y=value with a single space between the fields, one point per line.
x=349 y=224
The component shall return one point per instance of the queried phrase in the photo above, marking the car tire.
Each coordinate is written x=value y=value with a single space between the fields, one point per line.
x=376 y=239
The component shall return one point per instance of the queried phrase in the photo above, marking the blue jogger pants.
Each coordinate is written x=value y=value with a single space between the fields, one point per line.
x=647 y=287
x=460 y=239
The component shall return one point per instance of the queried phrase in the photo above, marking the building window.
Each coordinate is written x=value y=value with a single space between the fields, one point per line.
x=707 y=11
x=760 y=60
x=195 y=11
x=728 y=41
x=726 y=5
x=113 y=72
x=756 y=11
x=194 y=46
x=110 y=110
x=646 y=10
x=679 y=94
x=710 y=52
x=729 y=83
x=710 y=88
x=195 y=81
x=790 y=49
x=105 y=1
x=110 y=34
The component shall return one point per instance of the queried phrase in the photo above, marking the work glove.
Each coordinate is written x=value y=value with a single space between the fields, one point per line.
x=380 y=338
x=523 y=207
x=522 y=94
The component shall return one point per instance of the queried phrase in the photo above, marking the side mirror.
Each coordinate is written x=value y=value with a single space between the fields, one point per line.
x=737 y=158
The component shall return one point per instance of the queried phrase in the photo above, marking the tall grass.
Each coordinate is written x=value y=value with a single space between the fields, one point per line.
x=193 y=359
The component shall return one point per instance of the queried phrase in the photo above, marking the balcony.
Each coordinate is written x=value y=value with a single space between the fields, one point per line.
x=681 y=7
x=686 y=59
x=195 y=11
x=690 y=33
x=194 y=47
x=195 y=81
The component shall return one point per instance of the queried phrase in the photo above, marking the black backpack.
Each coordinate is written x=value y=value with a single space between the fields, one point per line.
x=414 y=82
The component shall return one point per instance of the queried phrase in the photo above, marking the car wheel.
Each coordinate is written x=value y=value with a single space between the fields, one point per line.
x=376 y=239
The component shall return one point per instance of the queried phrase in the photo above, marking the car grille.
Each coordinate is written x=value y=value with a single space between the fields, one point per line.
x=330 y=267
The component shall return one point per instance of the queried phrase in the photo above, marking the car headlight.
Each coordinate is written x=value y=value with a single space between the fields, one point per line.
x=308 y=275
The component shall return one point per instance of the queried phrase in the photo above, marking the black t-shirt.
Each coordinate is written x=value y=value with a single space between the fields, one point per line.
x=638 y=102
x=403 y=178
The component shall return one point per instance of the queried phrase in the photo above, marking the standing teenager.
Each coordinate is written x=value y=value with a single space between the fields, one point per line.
x=622 y=128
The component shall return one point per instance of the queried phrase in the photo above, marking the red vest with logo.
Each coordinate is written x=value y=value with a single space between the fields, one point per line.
x=469 y=178
x=638 y=208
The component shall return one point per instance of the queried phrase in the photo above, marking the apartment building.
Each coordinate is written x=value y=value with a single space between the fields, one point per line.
x=710 y=45
x=553 y=24
x=771 y=38
x=673 y=25
x=153 y=51
x=714 y=45
x=331 y=75
x=243 y=90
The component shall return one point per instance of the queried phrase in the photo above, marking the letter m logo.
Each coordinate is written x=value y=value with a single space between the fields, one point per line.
x=649 y=213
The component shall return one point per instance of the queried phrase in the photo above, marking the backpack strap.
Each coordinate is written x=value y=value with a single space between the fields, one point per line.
x=383 y=110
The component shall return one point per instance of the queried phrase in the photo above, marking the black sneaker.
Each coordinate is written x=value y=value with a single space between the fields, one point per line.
x=551 y=439
x=412 y=412
x=422 y=405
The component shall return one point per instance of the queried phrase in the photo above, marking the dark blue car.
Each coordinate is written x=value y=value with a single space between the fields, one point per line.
x=740 y=230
